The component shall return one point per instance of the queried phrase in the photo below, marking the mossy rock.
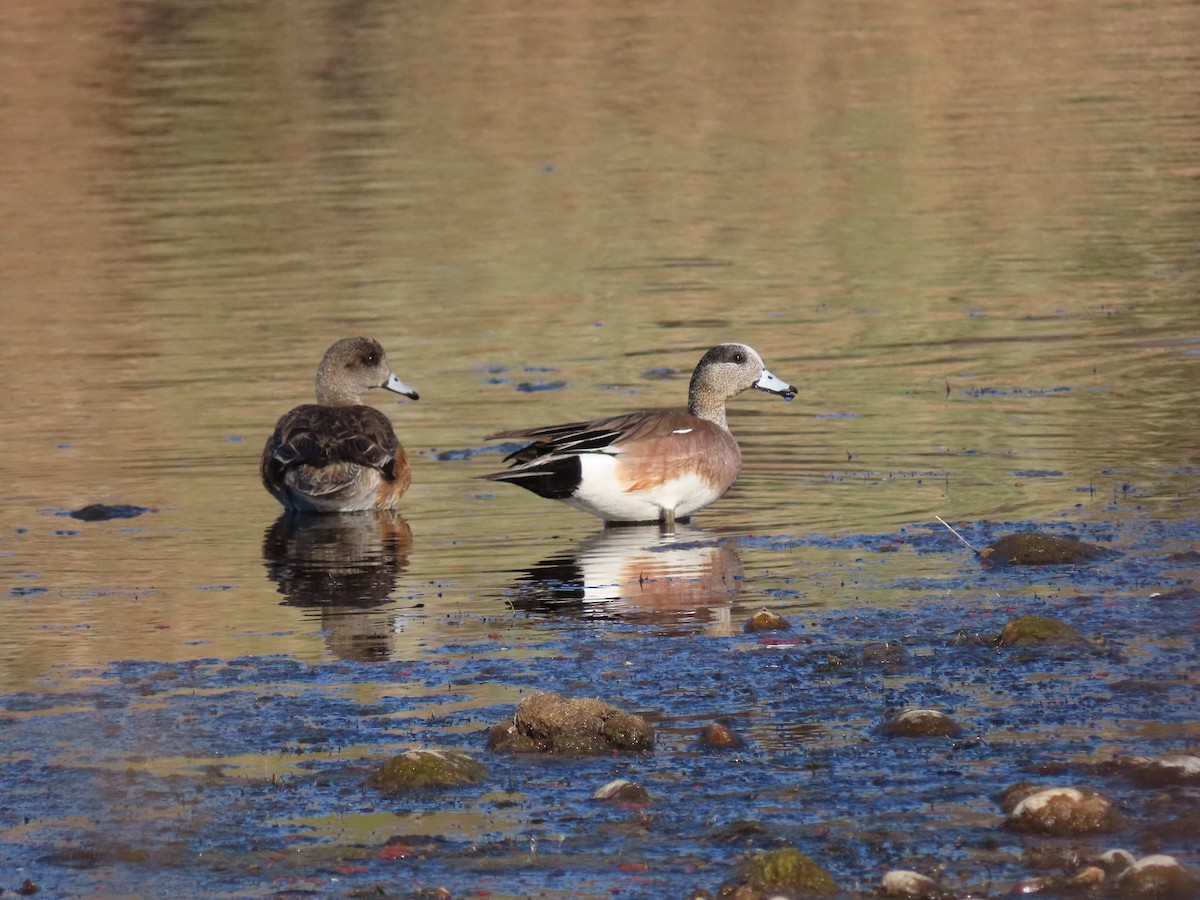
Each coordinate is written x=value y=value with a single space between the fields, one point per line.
x=1030 y=631
x=1028 y=548
x=418 y=769
x=547 y=723
x=788 y=872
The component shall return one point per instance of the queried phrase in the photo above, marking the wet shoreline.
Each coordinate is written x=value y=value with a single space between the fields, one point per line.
x=226 y=776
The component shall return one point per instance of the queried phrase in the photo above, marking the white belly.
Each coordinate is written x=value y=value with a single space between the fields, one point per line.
x=601 y=494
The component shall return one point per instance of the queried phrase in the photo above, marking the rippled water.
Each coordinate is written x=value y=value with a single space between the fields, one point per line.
x=969 y=234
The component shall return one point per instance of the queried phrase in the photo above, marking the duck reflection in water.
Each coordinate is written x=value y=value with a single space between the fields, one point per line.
x=342 y=565
x=637 y=572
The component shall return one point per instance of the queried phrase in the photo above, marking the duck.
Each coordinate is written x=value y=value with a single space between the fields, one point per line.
x=338 y=455
x=652 y=466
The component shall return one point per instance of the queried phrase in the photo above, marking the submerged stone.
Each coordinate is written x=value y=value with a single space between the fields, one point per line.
x=547 y=723
x=417 y=769
x=740 y=831
x=622 y=791
x=887 y=654
x=1028 y=548
x=100 y=512
x=765 y=620
x=1157 y=877
x=1063 y=811
x=788 y=872
x=721 y=736
x=921 y=723
x=1027 y=631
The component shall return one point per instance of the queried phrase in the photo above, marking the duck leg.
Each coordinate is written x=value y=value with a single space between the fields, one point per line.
x=666 y=521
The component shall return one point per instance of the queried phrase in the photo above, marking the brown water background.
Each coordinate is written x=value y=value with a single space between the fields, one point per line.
x=969 y=232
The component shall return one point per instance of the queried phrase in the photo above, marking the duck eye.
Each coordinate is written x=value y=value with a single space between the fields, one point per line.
x=370 y=359
x=739 y=357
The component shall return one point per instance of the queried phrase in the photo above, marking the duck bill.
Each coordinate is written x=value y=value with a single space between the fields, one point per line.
x=772 y=385
x=395 y=384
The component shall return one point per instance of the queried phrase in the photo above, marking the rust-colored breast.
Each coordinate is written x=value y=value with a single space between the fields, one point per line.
x=676 y=445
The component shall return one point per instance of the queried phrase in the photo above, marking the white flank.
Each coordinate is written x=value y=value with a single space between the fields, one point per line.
x=601 y=494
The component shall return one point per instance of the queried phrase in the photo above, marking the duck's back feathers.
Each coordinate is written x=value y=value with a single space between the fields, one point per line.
x=335 y=457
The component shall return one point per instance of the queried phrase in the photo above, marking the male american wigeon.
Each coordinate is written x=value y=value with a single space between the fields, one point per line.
x=337 y=455
x=655 y=466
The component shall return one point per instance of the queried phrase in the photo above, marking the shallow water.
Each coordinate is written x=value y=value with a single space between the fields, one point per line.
x=968 y=235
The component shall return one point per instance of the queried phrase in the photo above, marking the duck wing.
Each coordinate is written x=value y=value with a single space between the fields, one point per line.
x=324 y=436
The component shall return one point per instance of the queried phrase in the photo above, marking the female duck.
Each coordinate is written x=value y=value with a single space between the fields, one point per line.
x=654 y=466
x=338 y=455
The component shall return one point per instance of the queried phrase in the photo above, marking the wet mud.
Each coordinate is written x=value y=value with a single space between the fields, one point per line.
x=253 y=776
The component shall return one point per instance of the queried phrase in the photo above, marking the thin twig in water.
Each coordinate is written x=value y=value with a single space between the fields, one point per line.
x=957 y=535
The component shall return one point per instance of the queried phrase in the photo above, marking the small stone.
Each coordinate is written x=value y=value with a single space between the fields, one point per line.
x=1157 y=877
x=1063 y=811
x=1028 y=631
x=621 y=790
x=416 y=769
x=720 y=736
x=765 y=620
x=905 y=883
x=921 y=723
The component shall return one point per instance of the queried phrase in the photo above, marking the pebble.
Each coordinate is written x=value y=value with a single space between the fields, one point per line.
x=905 y=883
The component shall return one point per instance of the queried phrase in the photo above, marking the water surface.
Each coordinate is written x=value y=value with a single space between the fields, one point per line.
x=968 y=234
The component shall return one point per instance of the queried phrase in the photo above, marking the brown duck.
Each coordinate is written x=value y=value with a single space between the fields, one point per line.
x=337 y=455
